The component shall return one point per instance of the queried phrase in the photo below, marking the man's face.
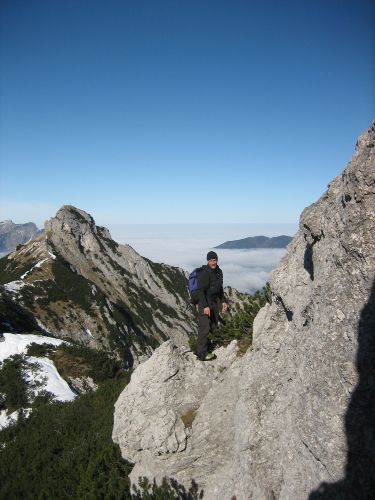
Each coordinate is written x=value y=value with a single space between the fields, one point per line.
x=212 y=263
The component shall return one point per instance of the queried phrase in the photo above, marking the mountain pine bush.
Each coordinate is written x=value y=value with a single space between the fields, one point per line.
x=64 y=450
x=237 y=324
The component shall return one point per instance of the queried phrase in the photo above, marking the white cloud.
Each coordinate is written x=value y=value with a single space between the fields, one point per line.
x=187 y=246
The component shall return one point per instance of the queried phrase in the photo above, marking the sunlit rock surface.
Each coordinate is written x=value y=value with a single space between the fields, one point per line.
x=295 y=416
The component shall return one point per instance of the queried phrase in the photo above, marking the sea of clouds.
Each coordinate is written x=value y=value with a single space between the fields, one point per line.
x=186 y=246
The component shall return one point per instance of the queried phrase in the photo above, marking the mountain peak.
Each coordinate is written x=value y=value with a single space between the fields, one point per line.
x=71 y=217
x=78 y=283
x=76 y=235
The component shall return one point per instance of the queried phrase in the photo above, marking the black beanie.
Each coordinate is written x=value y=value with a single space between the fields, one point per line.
x=212 y=255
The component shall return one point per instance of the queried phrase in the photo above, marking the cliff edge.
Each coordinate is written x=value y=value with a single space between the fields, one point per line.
x=295 y=417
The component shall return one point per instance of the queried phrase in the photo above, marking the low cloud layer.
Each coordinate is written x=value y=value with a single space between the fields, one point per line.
x=246 y=270
x=22 y=212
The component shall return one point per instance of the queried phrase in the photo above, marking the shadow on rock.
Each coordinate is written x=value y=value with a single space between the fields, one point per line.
x=359 y=480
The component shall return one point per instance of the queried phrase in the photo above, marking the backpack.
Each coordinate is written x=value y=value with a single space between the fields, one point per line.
x=192 y=285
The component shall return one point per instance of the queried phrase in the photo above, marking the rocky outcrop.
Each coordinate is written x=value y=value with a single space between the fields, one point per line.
x=157 y=411
x=295 y=416
x=12 y=234
x=75 y=282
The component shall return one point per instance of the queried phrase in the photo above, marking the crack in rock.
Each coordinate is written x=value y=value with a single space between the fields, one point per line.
x=315 y=457
x=171 y=376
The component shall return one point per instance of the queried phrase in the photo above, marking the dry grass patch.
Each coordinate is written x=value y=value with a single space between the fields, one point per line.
x=188 y=418
x=69 y=365
x=243 y=345
x=43 y=273
x=59 y=307
x=41 y=313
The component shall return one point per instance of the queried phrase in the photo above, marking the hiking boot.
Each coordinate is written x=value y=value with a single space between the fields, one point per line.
x=208 y=357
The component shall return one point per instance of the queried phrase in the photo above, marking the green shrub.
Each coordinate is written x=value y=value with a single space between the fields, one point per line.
x=170 y=489
x=76 y=361
x=16 y=392
x=64 y=450
x=193 y=342
x=12 y=384
x=68 y=285
x=9 y=271
x=40 y=350
x=13 y=318
x=238 y=325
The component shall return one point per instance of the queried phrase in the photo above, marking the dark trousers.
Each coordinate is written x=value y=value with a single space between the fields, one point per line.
x=206 y=324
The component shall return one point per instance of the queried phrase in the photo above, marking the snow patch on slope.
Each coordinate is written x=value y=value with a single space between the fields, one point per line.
x=38 y=264
x=18 y=343
x=42 y=375
x=50 y=378
x=14 y=286
x=6 y=420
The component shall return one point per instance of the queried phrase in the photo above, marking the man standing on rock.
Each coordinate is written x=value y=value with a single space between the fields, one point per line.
x=211 y=301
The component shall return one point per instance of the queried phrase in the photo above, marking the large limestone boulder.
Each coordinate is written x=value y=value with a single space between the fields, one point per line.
x=157 y=411
x=294 y=417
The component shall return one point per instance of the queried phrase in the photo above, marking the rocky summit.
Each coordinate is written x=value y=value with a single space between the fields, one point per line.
x=294 y=417
x=75 y=282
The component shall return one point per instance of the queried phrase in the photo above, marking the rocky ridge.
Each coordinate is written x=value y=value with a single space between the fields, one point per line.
x=257 y=242
x=293 y=418
x=12 y=234
x=75 y=282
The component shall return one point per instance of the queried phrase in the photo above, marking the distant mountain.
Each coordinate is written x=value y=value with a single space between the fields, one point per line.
x=12 y=234
x=76 y=283
x=258 y=242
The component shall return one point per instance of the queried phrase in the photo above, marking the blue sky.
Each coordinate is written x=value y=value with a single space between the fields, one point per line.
x=180 y=111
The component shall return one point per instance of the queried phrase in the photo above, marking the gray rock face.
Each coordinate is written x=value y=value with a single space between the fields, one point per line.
x=156 y=412
x=82 y=385
x=12 y=234
x=77 y=283
x=295 y=416
x=119 y=271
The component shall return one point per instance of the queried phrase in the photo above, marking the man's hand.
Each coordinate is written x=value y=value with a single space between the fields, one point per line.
x=224 y=307
x=207 y=311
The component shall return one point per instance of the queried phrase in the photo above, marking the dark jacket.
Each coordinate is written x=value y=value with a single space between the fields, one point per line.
x=210 y=284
